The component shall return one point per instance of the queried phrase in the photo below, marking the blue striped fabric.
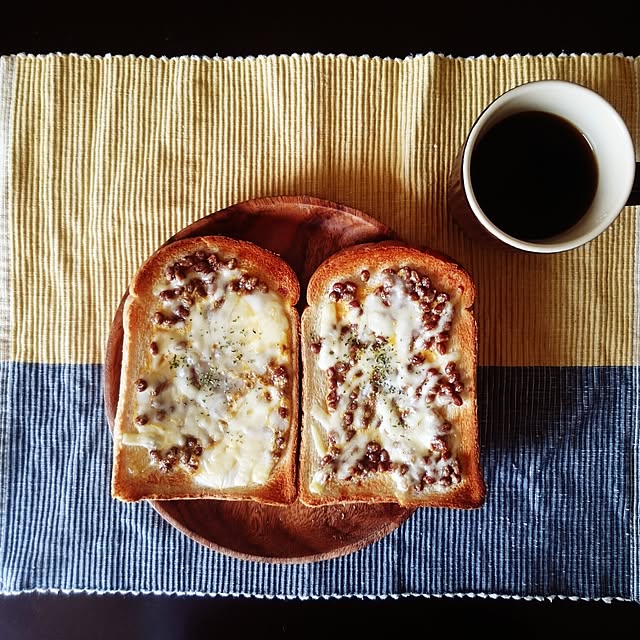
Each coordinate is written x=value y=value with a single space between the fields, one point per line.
x=560 y=508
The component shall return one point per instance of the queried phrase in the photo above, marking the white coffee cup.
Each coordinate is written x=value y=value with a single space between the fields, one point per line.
x=606 y=134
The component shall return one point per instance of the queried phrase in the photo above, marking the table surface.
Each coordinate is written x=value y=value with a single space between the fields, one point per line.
x=228 y=32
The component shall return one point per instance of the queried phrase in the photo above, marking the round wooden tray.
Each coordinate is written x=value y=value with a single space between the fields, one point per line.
x=304 y=231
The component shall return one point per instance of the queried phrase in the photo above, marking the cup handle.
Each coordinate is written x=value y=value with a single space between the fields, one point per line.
x=634 y=196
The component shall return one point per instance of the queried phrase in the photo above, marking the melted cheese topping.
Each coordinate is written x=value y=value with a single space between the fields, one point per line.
x=383 y=345
x=218 y=375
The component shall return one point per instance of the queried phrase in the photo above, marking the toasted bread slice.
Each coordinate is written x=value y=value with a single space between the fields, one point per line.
x=389 y=352
x=209 y=403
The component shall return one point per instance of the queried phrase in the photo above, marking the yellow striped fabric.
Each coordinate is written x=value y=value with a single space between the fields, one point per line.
x=106 y=157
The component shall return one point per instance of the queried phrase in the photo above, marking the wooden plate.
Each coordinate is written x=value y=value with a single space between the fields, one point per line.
x=304 y=231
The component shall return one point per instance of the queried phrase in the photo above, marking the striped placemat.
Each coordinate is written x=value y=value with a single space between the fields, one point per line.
x=103 y=158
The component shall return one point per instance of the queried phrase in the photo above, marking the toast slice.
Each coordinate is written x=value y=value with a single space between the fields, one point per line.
x=209 y=399
x=389 y=353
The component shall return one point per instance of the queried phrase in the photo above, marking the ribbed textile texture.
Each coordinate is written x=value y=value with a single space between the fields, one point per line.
x=102 y=159
x=556 y=521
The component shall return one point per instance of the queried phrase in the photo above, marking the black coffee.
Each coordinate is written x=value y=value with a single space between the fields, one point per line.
x=534 y=175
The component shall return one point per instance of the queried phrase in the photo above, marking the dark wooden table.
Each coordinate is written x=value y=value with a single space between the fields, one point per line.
x=377 y=31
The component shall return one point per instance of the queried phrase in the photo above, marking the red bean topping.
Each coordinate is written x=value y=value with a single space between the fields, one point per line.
x=232 y=264
x=387 y=282
x=438 y=444
x=373 y=447
x=165 y=321
x=186 y=455
x=168 y=294
x=326 y=460
x=350 y=287
x=153 y=347
x=202 y=266
x=160 y=388
x=141 y=384
x=448 y=390
x=365 y=275
x=341 y=367
x=282 y=412
x=200 y=289
x=141 y=419
x=183 y=312
x=315 y=347
x=417 y=359
x=429 y=322
x=172 y=454
x=280 y=377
